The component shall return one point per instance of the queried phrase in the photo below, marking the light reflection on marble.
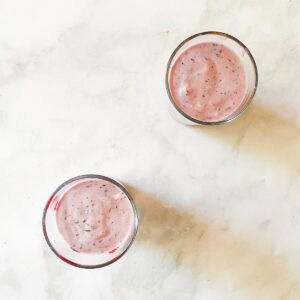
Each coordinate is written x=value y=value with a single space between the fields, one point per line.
x=82 y=91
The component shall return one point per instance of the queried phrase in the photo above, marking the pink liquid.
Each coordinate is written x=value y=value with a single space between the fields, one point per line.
x=208 y=82
x=95 y=216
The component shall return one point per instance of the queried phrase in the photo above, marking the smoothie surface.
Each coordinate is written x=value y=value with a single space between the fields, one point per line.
x=208 y=82
x=95 y=216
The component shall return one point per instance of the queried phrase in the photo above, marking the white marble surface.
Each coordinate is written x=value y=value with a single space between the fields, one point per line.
x=82 y=91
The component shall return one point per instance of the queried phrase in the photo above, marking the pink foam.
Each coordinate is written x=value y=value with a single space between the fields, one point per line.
x=208 y=82
x=95 y=216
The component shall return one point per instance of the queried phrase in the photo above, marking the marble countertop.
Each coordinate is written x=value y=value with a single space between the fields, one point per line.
x=82 y=91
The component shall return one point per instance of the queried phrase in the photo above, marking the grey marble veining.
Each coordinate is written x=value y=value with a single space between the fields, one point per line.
x=82 y=91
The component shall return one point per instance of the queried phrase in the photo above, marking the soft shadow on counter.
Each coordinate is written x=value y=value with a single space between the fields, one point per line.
x=262 y=133
x=207 y=252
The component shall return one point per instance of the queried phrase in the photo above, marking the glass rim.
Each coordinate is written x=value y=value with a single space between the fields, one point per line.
x=231 y=118
x=124 y=190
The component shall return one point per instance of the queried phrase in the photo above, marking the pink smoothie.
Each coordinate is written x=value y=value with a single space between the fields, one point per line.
x=95 y=216
x=208 y=82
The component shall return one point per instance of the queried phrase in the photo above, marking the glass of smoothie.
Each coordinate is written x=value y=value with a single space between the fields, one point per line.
x=90 y=221
x=211 y=79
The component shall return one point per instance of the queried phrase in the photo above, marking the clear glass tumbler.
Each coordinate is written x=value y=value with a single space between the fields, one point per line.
x=103 y=196
x=242 y=53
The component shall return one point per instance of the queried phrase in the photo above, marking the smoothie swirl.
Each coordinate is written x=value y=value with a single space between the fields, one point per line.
x=95 y=216
x=208 y=82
